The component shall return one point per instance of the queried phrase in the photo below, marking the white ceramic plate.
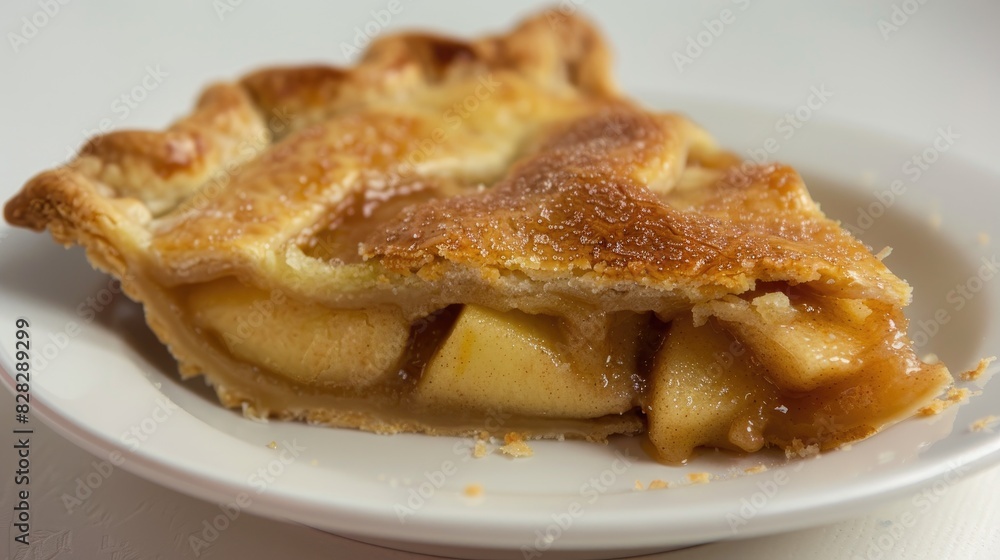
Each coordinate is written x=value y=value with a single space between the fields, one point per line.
x=106 y=379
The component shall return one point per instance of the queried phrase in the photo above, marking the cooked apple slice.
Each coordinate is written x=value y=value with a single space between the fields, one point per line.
x=518 y=363
x=703 y=392
x=806 y=344
x=305 y=343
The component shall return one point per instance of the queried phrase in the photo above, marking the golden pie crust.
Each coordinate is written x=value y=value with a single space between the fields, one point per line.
x=375 y=219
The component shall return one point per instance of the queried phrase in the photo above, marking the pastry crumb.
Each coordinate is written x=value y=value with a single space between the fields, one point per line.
x=885 y=252
x=774 y=307
x=638 y=485
x=314 y=462
x=473 y=490
x=479 y=449
x=515 y=446
x=983 y=238
x=511 y=437
x=698 y=478
x=249 y=412
x=273 y=444
x=657 y=484
x=756 y=469
x=799 y=449
x=984 y=424
x=979 y=370
x=954 y=396
x=517 y=449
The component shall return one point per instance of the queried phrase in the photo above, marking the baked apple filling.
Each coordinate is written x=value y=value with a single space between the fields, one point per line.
x=768 y=367
x=455 y=237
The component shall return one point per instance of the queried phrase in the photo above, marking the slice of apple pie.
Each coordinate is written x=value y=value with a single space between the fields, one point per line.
x=455 y=237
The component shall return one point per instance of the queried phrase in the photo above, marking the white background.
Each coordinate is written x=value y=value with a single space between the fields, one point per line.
x=940 y=68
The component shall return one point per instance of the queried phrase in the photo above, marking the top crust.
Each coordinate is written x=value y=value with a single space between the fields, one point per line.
x=540 y=187
x=598 y=199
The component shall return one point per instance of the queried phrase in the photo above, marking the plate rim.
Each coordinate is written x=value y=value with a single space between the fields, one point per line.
x=425 y=529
